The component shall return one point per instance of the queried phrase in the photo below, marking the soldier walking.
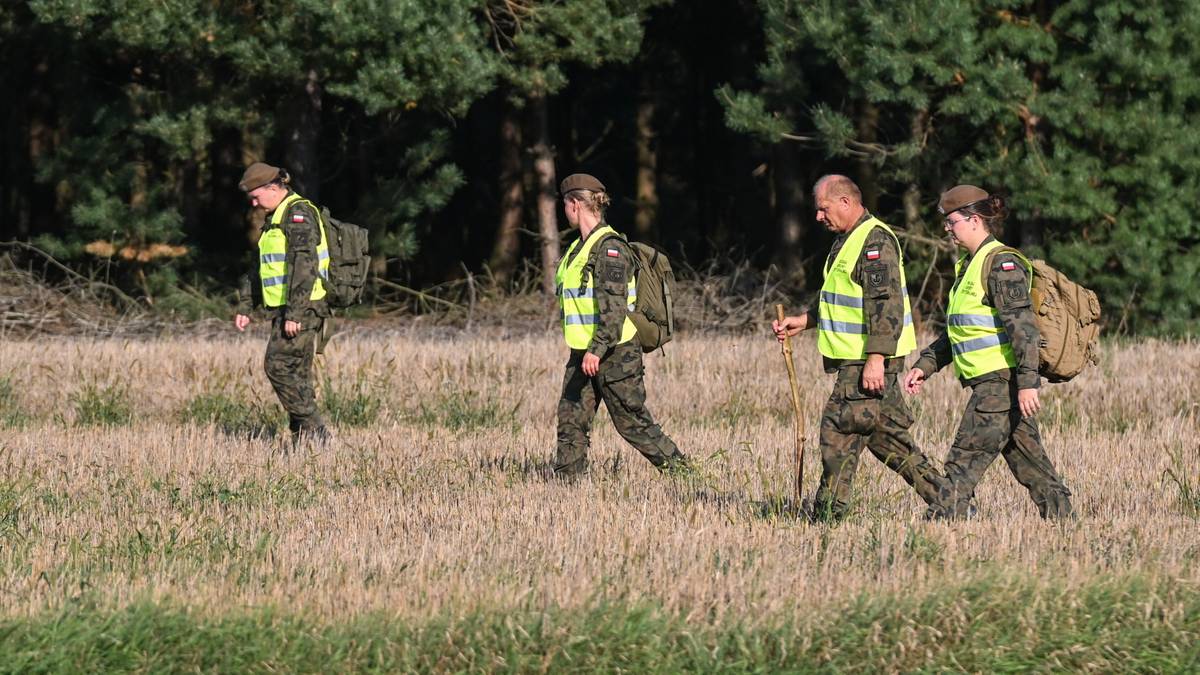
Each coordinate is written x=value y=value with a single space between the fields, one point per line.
x=289 y=281
x=596 y=291
x=864 y=331
x=992 y=339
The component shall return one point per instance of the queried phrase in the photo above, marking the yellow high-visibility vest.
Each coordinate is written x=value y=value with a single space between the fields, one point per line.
x=978 y=340
x=842 y=325
x=272 y=256
x=576 y=294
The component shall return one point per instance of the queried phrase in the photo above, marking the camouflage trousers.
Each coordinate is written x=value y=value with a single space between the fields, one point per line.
x=620 y=385
x=854 y=419
x=289 y=367
x=992 y=425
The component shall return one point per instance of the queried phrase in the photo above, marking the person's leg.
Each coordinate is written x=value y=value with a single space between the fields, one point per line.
x=1031 y=466
x=893 y=445
x=983 y=432
x=576 y=408
x=623 y=389
x=288 y=364
x=849 y=414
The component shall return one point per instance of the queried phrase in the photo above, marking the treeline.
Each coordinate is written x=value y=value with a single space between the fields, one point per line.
x=444 y=125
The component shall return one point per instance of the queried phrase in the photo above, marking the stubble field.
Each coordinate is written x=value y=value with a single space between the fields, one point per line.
x=149 y=519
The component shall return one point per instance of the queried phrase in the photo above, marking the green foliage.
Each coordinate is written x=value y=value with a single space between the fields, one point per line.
x=102 y=405
x=233 y=414
x=983 y=625
x=165 y=92
x=537 y=40
x=1079 y=110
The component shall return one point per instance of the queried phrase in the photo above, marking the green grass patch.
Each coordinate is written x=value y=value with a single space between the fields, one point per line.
x=356 y=405
x=233 y=415
x=467 y=411
x=1184 y=476
x=12 y=415
x=104 y=406
x=996 y=624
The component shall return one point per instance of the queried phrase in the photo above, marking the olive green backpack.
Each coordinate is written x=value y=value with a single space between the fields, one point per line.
x=654 y=313
x=349 y=261
x=1067 y=316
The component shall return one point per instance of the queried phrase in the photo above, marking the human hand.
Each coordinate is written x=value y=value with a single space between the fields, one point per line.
x=913 y=380
x=240 y=321
x=1028 y=402
x=872 y=375
x=591 y=364
x=291 y=328
x=791 y=325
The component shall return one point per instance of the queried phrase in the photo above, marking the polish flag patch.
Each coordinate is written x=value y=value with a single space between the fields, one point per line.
x=297 y=218
x=613 y=253
x=1008 y=266
x=873 y=254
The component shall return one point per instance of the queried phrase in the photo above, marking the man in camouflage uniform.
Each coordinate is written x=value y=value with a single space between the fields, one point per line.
x=299 y=324
x=998 y=360
x=865 y=408
x=595 y=282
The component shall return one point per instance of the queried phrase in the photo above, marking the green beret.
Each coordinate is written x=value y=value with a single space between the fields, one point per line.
x=580 y=181
x=960 y=196
x=257 y=175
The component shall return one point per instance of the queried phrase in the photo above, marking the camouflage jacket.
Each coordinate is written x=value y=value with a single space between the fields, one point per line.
x=1008 y=292
x=610 y=278
x=883 y=295
x=301 y=225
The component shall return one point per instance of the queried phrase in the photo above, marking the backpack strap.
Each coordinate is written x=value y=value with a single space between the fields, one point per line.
x=987 y=263
x=590 y=267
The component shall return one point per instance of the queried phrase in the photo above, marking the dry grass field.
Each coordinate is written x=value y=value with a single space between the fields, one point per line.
x=146 y=474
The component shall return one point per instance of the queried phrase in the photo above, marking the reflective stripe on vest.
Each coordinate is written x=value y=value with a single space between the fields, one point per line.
x=272 y=256
x=842 y=325
x=978 y=341
x=576 y=296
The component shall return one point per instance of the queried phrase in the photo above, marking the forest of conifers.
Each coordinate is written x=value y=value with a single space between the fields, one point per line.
x=445 y=125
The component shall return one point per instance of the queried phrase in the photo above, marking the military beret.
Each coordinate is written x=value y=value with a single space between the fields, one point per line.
x=960 y=196
x=580 y=181
x=257 y=175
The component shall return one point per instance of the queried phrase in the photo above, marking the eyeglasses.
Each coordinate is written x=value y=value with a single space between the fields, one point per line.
x=948 y=223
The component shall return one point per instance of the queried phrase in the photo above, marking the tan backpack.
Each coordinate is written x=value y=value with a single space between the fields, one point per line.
x=1067 y=316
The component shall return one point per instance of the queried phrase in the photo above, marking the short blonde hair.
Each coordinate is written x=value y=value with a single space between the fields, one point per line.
x=596 y=202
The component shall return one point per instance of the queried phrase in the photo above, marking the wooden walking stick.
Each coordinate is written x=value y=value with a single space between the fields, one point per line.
x=799 y=425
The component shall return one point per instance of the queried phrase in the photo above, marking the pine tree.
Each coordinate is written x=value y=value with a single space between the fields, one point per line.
x=1077 y=110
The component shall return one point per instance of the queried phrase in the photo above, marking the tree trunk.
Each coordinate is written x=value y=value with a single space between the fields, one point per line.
x=912 y=194
x=647 y=161
x=507 y=248
x=225 y=155
x=868 y=182
x=300 y=155
x=789 y=211
x=545 y=179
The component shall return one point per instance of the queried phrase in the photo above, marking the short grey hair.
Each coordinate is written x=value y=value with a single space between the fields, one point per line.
x=837 y=186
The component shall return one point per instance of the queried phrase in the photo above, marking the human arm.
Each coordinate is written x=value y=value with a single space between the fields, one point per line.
x=612 y=271
x=302 y=226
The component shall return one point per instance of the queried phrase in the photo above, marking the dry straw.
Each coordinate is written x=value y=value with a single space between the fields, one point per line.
x=443 y=505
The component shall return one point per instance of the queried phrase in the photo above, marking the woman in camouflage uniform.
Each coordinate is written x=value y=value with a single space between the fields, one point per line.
x=289 y=281
x=596 y=291
x=992 y=338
